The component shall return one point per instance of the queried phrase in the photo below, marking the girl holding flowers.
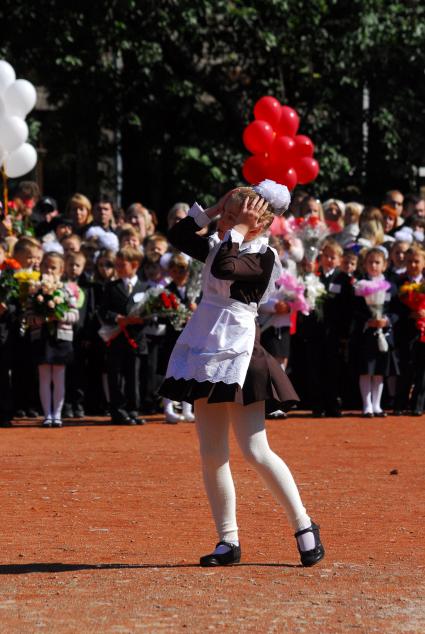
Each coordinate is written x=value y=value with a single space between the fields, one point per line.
x=51 y=313
x=410 y=336
x=373 y=340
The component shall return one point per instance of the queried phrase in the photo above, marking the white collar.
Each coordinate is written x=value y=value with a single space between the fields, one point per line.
x=130 y=280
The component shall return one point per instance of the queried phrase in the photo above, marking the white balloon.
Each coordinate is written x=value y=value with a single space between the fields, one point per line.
x=2 y=107
x=3 y=154
x=21 y=161
x=19 y=98
x=13 y=132
x=7 y=75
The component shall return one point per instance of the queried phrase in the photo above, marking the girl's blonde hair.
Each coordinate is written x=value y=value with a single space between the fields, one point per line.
x=81 y=201
x=372 y=230
x=239 y=195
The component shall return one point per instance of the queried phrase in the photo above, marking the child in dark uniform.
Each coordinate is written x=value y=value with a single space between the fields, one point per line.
x=51 y=344
x=410 y=387
x=374 y=360
x=123 y=351
x=178 y=270
x=218 y=363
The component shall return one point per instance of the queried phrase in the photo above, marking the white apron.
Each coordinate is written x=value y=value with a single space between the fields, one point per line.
x=217 y=342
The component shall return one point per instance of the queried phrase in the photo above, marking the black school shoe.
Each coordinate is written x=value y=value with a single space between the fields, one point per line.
x=313 y=556
x=233 y=556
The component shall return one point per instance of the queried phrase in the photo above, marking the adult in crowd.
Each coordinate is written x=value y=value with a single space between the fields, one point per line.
x=79 y=210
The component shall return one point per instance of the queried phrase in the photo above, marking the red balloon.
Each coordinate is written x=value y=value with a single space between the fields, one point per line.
x=281 y=152
x=286 y=176
x=258 y=137
x=303 y=146
x=289 y=121
x=307 y=169
x=268 y=109
x=254 y=169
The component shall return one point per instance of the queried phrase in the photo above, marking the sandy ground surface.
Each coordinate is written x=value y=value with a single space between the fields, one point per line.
x=102 y=528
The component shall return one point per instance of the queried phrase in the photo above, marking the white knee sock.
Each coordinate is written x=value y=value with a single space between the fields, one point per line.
x=250 y=432
x=212 y=425
x=58 y=375
x=45 y=389
x=187 y=411
x=365 y=384
x=377 y=389
x=168 y=406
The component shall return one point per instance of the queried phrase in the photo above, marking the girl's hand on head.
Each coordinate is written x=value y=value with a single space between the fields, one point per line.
x=249 y=218
x=218 y=208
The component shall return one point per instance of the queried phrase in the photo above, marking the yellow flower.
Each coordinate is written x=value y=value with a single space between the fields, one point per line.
x=24 y=277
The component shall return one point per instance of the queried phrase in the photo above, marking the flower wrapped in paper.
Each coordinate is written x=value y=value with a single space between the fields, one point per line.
x=311 y=231
x=374 y=293
x=52 y=299
x=412 y=294
x=156 y=304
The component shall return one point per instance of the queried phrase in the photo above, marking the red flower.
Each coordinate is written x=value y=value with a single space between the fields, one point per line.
x=313 y=221
x=165 y=300
x=10 y=263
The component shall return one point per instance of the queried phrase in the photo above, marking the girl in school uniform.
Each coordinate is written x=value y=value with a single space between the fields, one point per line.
x=52 y=348
x=373 y=337
x=219 y=365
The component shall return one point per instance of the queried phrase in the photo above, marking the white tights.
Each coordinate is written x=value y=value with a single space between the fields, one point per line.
x=49 y=374
x=371 y=388
x=212 y=424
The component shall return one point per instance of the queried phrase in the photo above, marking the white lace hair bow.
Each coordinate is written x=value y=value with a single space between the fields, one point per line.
x=275 y=194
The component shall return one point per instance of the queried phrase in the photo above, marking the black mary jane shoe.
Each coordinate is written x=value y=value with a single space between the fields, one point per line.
x=313 y=556
x=368 y=415
x=233 y=556
x=380 y=414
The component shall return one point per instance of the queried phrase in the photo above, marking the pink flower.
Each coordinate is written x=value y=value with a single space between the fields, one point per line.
x=40 y=298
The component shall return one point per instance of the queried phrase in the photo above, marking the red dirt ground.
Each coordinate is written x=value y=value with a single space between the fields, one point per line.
x=102 y=528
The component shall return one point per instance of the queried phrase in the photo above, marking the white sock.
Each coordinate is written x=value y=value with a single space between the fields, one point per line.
x=187 y=411
x=365 y=384
x=377 y=389
x=58 y=375
x=168 y=406
x=45 y=389
x=306 y=541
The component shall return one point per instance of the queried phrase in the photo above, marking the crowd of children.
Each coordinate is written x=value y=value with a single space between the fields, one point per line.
x=360 y=345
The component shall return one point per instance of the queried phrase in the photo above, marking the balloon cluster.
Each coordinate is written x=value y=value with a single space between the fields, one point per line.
x=17 y=99
x=279 y=153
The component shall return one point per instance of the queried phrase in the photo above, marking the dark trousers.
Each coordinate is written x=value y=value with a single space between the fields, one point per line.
x=6 y=400
x=24 y=375
x=123 y=369
x=412 y=374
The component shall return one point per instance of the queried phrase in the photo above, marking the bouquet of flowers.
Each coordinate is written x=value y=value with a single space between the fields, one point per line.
x=162 y=304
x=311 y=231
x=292 y=291
x=315 y=292
x=51 y=299
x=156 y=303
x=373 y=292
x=9 y=285
x=413 y=295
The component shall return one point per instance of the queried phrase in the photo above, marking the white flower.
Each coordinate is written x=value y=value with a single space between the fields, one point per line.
x=40 y=299
x=51 y=303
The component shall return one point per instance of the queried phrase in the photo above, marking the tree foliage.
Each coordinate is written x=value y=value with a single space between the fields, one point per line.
x=179 y=78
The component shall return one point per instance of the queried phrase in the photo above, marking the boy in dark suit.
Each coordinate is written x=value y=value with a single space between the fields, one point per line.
x=325 y=338
x=123 y=353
